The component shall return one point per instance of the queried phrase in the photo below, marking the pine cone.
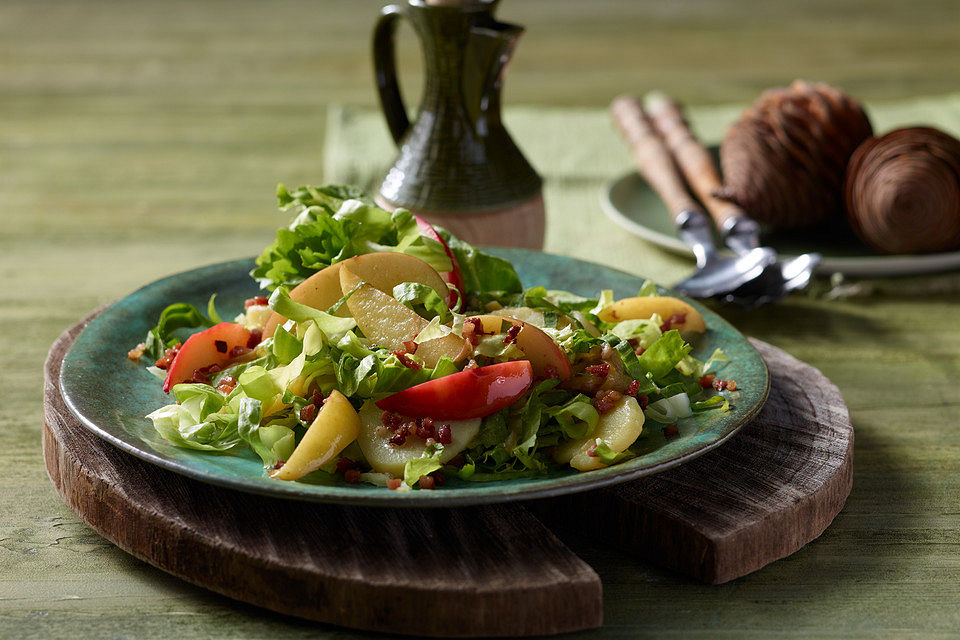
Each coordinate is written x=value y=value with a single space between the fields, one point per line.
x=784 y=159
x=902 y=191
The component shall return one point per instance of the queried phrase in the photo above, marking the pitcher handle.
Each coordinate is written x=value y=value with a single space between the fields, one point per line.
x=385 y=70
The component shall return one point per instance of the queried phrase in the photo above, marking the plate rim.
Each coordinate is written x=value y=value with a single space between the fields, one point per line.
x=883 y=266
x=341 y=495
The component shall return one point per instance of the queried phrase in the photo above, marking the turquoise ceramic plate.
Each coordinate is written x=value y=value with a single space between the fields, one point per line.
x=630 y=202
x=111 y=395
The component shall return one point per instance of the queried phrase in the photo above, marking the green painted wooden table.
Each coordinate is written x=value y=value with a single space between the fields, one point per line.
x=141 y=139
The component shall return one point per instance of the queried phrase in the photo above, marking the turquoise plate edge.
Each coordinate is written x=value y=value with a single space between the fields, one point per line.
x=96 y=372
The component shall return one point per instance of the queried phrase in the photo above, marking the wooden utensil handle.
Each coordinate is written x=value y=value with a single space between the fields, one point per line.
x=692 y=157
x=651 y=155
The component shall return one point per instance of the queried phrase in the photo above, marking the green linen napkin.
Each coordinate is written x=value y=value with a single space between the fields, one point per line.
x=577 y=151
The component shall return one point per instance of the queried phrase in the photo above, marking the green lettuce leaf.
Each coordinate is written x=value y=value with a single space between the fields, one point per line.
x=664 y=354
x=424 y=465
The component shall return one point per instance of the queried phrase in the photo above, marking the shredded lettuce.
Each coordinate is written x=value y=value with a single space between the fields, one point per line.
x=669 y=410
x=332 y=223
x=608 y=456
x=176 y=317
x=424 y=465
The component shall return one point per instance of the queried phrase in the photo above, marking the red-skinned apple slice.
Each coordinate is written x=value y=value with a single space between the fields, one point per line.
x=209 y=347
x=383 y=271
x=454 y=276
x=543 y=353
x=472 y=393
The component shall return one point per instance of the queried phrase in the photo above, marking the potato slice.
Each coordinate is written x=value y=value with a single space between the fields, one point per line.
x=643 y=307
x=336 y=426
x=618 y=428
x=386 y=458
x=389 y=323
x=383 y=271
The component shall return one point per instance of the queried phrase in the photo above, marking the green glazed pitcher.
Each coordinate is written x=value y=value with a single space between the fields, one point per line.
x=457 y=166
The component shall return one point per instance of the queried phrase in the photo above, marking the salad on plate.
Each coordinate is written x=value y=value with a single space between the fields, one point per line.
x=387 y=351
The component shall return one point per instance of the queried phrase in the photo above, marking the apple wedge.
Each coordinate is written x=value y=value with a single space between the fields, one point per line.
x=618 y=429
x=383 y=271
x=454 y=276
x=387 y=458
x=389 y=324
x=543 y=353
x=643 y=307
x=336 y=426
x=212 y=346
x=471 y=393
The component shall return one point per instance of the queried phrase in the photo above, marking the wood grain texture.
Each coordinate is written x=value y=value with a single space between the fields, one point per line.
x=487 y=571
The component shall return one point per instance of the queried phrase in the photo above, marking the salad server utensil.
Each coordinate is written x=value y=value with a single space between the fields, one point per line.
x=716 y=275
x=740 y=233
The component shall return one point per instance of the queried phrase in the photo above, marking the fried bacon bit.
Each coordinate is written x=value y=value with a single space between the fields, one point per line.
x=439 y=478
x=394 y=483
x=472 y=364
x=256 y=336
x=227 y=384
x=344 y=464
x=410 y=346
x=137 y=351
x=167 y=358
x=202 y=375
x=472 y=330
x=279 y=464
x=634 y=388
x=444 y=435
x=639 y=350
x=427 y=482
x=550 y=372
x=221 y=345
x=671 y=430
x=719 y=384
x=707 y=381
x=512 y=334
x=352 y=476
x=399 y=437
x=592 y=452
x=317 y=398
x=256 y=301
x=424 y=428
x=606 y=399
x=391 y=420
x=600 y=370
x=731 y=385
x=239 y=350
x=642 y=400
x=675 y=320
x=308 y=413
x=406 y=361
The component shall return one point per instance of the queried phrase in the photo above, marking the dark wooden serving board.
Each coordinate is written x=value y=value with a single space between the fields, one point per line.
x=485 y=571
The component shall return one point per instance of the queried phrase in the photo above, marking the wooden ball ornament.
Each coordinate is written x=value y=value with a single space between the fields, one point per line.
x=902 y=191
x=783 y=161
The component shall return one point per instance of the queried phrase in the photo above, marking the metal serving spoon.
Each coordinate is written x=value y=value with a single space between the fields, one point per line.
x=716 y=275
x=739 y=231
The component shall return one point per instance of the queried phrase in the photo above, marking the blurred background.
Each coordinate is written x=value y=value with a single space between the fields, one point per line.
x=166 y=110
